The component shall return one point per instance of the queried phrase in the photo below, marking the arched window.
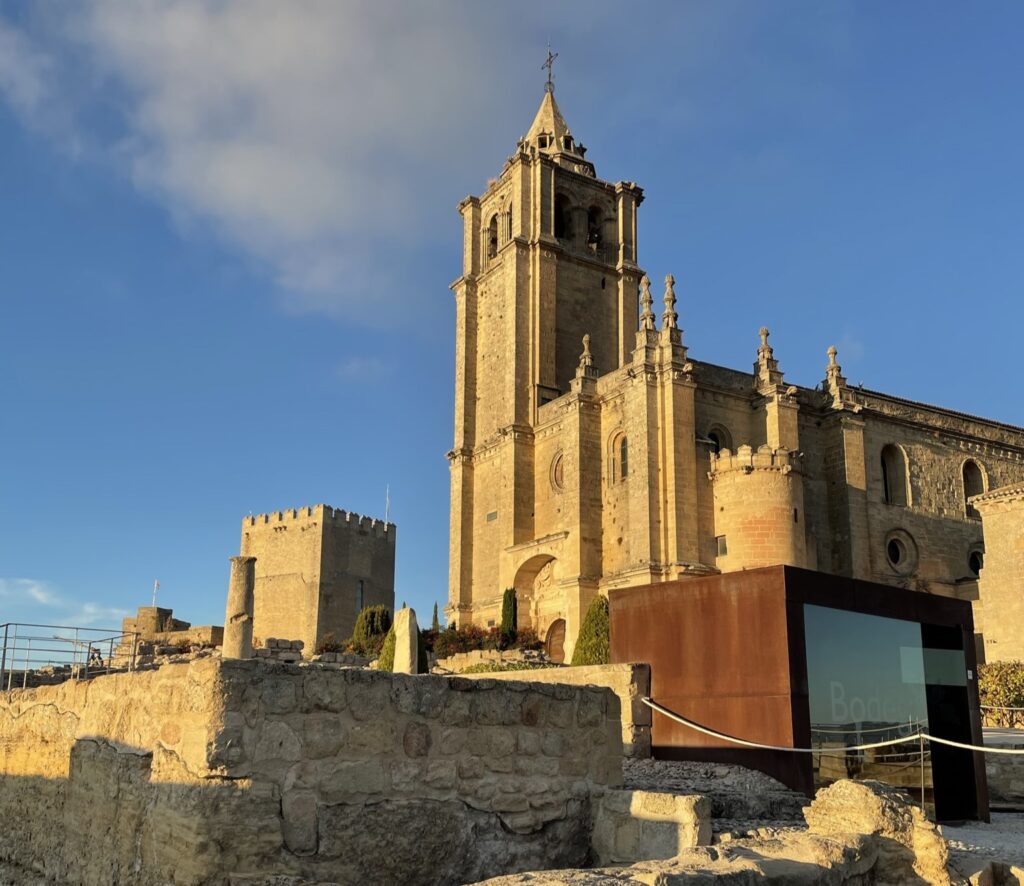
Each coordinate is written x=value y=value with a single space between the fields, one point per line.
x=618 y=458
x=563 y=217
x=894 y=476
x=492 y=237
x=974 y=484
x=594 y=228
x=508 y=222
x=720 y=439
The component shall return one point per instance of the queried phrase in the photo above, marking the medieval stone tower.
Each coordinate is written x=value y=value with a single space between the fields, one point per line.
x=316 y=568
x=547 y=226
x=591 y=452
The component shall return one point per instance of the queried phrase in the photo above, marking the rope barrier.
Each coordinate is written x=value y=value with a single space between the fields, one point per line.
x=714 y=733
x=859 y=731
x=993 y=707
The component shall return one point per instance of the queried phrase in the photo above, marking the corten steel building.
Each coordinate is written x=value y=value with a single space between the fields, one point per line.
x=789 y=657
x=594 y=450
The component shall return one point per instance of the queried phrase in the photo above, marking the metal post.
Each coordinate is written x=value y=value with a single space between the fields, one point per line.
x=14 y=649
x=28 y=653
x=920 y=738
x=3 y=657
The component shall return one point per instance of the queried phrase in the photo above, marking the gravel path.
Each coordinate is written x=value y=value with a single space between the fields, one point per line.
x=1002 y=840
x=738 y=795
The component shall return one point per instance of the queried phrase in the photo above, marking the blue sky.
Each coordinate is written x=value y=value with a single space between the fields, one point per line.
x=227 y=231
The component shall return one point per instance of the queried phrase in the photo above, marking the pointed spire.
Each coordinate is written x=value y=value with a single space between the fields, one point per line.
x=586 y=358
x=767 y=376
x=670 y=319
x=647 y=300
x=836 y=388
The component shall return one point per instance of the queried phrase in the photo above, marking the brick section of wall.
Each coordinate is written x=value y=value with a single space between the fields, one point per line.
x=630 y=682
x=333 y=775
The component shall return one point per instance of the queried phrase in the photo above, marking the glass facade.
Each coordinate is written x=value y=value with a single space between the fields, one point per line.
x=872 y=679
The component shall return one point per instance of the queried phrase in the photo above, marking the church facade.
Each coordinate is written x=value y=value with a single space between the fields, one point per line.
x=593 y=452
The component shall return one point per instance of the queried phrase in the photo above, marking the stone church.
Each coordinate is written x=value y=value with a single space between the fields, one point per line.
x=593 y=452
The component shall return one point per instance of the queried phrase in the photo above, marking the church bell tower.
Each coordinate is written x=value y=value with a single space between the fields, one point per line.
x=549 y=255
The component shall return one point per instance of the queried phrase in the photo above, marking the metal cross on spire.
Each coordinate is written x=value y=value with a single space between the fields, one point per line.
x=549 y=64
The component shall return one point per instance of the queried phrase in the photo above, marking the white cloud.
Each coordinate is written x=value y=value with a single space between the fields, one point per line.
x=297 y=131
x=23 y=71
x=20 y=590
x=22 y=599
x=324 y=138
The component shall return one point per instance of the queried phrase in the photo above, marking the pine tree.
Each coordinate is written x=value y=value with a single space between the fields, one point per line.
x=594 y=643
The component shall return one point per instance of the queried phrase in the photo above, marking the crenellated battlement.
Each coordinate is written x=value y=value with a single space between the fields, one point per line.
x=338 y=518
x=747 y=459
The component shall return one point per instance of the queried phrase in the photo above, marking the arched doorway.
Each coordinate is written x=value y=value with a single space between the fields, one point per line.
x=554 y=645
x=534 y=580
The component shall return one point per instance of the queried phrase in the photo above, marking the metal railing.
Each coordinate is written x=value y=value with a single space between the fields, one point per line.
x=38 y=654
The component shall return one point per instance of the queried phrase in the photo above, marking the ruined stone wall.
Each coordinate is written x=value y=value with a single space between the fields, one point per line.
x=630 y=682
x=191 y=772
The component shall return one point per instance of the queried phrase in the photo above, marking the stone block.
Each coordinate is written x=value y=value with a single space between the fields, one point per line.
x=299 y=813
x=279 y=694
x=416 y=739
x=344 y=779
x=457 y=711
x=528 y=743
x=277 y=741
x=367 y=700
x=552 y=744
x=323 y=735
x=372 y=738
x=324 y=690
x=452 y=741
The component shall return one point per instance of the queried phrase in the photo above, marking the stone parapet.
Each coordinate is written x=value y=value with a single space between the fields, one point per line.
x=747 y=459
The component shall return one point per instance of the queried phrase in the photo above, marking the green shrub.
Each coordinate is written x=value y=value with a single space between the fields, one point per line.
x=509 y=618
x=497 y=667
x=593 y=644
x=386 y=661
x=371 y=628
x=1001 y=685
x=328 y=643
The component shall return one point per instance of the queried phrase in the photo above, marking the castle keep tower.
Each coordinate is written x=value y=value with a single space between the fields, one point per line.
x=316 y=568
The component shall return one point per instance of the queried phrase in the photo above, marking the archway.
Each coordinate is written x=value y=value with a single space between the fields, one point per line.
x=533 y=580
x=554 y=645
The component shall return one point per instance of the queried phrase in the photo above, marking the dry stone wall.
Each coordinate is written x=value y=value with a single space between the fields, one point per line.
x=630 y=682
x=191 y=772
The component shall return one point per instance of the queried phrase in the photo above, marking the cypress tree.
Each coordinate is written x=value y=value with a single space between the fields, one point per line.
x=372 y=625
x=509 y=618
x=386 y=661
x=593 y=645
x=435 y=625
